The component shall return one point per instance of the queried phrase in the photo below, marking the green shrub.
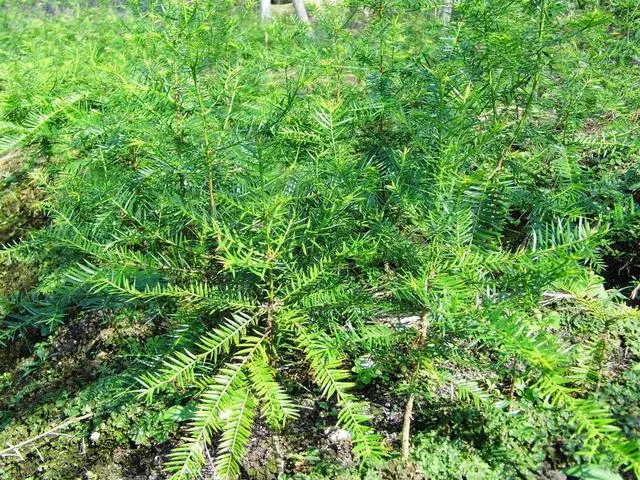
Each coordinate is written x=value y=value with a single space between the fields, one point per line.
x=428 y=206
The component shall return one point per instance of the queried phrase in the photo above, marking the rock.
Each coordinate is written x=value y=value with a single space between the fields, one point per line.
x=337 y=435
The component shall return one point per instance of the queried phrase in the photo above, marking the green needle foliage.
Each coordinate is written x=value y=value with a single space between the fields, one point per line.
x=283 y=195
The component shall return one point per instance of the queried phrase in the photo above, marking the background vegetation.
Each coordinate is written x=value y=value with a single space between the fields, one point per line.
x=384 y=244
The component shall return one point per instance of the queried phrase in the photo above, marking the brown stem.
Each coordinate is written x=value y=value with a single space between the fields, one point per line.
x=512 y=388
x=406 y=426
x=408 y=409
x=425 y=326
x=381 y=68
x=212 y=198
x=207 y=144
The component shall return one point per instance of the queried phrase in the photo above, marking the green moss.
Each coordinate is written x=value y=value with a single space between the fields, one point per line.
x=16 y=277
x=20 y=210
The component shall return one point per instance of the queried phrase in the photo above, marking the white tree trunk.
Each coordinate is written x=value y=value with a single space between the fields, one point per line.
x=301 y=11
x=265 y=9
x=445 y=11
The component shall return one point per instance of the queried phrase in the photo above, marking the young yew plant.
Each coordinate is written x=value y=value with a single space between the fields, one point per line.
x=241 y=221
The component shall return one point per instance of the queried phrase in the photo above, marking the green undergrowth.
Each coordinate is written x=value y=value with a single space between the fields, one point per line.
x=245 y=247
x=85 y=371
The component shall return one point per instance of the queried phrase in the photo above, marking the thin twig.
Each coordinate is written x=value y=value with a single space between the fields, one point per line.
x=14 y=450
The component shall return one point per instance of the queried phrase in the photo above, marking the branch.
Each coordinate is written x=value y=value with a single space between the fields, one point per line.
x=14 y=450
